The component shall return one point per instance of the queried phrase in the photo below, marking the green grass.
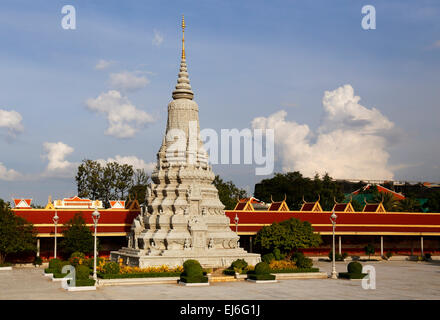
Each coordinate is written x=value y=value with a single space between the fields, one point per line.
x=138 y=275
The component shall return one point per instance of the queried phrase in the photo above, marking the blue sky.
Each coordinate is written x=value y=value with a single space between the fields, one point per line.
x=246 y=60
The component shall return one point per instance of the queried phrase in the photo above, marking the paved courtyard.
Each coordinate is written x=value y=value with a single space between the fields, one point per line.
x=394 y=280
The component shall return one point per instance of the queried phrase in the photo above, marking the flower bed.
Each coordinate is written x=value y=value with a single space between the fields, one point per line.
x=138 y=275
x=295 y=270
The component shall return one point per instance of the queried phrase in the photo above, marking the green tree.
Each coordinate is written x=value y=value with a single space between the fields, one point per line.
x=139 y=188
x=369 y=249
x=77 y=236
x=409 y=205
x=389 y=202
x=16 y=234
x=286 y=236
x=112 y=181
x=296 y=188
x=433 y=203
x=228 y=192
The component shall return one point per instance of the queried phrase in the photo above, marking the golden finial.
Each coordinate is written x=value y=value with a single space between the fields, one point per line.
x=183 y=37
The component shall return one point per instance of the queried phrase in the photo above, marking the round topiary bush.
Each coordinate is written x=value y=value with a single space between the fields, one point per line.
x=303 y=262
x=262 y=268
x=354 y=267
x=239 y=265
x=268 y=258
x=111 y=268
x=82 y=272
x=192 y=268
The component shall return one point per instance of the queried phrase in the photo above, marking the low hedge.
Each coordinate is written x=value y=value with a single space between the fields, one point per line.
x=296 y=270
x=6 y=264
x=59 y=275
x=49 y=270
x=194 y=279
x=254 y=276
x=83 y=282
x=138 y=275
x=350 y=275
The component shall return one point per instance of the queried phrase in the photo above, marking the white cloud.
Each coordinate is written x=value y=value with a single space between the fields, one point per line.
x=11 y=120
x=103 y=64
x=58 y=166
x=123 y=117
x=158 y=38
x=348 y=144
x=129 y=81
x=130 y=160
x=8 y=174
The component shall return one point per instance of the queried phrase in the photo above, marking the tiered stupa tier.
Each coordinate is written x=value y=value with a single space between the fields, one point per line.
x=184 y=217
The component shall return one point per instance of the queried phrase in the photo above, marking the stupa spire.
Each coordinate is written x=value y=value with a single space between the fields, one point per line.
x=183 y=88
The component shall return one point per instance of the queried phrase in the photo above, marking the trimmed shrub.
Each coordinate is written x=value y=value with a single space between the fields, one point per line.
x=266 y=276
x=82 y=272
x=388 y=255
x=262 y=268
x=111 y=268
x=354 y=267
x=354 y=271
x=338 y=257
x=193 y=272
x=138 y=275
x=268 y=258
x=54 y=264
x=347 y=275
x=297 y=255
x=37 y=261
x=304 y=263
x=427 y=256
x=83 y=282
x=238 y=265
x=192 y=268
x=344 y=255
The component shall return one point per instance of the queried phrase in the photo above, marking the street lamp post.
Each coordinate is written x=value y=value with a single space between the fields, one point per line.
x=236 y=227
x=333 y=217
x=95 y=216
x=55 y=222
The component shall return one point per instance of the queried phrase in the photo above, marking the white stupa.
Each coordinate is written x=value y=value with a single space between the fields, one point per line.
x=184 y=217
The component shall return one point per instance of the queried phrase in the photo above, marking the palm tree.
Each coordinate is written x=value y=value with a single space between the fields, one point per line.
x=409 y=205
x=389 y=202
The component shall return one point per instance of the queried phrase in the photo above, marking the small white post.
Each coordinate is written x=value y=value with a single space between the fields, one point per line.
x=381 y=246
x=38 y=247
x=340 y=245
x=421 y=245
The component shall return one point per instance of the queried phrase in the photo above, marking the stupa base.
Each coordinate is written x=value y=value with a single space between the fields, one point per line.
x=207 y=258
